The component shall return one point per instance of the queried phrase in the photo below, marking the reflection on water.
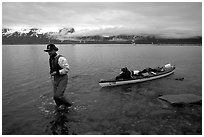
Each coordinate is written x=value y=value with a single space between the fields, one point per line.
x=59 y=124
x=59 y=119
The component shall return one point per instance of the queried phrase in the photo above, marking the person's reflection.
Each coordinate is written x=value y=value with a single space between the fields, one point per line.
x=59 y=126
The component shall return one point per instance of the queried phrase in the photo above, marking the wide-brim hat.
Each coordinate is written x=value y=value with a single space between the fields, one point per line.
x=51 y=47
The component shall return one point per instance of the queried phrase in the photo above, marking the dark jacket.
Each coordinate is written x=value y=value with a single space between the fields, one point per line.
x=126 y=74
x=54 y=66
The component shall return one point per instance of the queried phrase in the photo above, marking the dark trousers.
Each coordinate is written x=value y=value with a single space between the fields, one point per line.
x=60 y=84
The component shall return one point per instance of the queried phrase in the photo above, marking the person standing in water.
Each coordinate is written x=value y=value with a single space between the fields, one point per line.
x=59 y=68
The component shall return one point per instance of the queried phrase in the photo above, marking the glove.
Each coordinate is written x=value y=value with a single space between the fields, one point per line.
x=53 y=73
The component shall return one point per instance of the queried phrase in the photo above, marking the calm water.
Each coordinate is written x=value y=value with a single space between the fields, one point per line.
x=28 y=107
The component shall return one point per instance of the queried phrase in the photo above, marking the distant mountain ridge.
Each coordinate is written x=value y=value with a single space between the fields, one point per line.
x=64 y=36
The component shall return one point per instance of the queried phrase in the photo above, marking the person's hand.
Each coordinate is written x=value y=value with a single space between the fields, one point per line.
x=53 y=73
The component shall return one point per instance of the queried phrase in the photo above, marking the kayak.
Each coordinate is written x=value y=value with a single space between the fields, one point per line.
x=163 y=71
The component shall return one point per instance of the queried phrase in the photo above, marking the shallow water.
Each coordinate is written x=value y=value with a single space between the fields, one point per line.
x=28 y=107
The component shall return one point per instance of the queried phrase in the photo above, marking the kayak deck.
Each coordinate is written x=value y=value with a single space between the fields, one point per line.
x=136 y=79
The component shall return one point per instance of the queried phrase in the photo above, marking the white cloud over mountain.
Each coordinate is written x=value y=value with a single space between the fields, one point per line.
x=170 y=19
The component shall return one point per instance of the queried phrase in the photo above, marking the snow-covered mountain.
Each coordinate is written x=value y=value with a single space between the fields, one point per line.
x=66 y=35
x=36 y=32
x=35 y=35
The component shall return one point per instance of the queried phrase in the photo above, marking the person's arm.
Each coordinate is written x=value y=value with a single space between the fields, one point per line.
x=62 y=61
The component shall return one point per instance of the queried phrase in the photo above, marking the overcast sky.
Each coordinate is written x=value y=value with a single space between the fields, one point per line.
x=166 y=19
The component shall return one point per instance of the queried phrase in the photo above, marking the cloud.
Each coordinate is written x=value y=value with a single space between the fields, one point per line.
x=107 y=17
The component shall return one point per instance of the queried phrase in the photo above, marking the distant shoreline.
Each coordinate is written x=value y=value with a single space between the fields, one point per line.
x=174 y=44
x=34 y=38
